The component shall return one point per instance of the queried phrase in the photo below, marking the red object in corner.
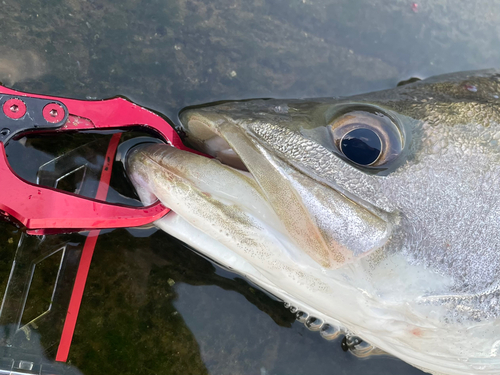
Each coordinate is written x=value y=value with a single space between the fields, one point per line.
x=44 y=210
x=85 y=260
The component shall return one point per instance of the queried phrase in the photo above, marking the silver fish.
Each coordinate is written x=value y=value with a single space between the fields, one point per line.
x=376 y=215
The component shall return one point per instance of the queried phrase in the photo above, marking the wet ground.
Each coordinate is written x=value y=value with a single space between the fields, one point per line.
x=152 y=306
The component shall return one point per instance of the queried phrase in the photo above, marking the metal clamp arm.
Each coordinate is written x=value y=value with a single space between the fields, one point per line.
x=38 y=207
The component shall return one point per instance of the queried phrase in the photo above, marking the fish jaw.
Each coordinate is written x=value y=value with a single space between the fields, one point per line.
x=326 y=224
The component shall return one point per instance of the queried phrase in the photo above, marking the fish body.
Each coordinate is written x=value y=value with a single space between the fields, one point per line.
x=376 y=215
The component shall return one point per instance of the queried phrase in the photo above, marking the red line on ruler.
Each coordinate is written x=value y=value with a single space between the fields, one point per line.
x=86 y=258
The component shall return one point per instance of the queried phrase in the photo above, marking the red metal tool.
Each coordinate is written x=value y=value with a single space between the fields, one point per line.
x=44 y=210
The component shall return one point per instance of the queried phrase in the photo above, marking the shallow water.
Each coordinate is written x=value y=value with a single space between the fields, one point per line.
x=150 y=304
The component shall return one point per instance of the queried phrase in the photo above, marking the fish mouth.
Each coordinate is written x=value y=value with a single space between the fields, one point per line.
x=330 y=227
x=202 y=134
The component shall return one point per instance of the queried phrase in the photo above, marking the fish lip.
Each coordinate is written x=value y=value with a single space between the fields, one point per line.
x=207 y=138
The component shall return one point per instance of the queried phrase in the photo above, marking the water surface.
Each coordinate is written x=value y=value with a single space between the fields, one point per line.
x=152 y=306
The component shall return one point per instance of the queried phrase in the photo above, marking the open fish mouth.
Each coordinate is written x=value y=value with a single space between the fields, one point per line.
x=334 y=223
x=207 y=139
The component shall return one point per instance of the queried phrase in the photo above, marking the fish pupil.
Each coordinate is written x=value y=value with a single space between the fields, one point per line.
x=362 y=146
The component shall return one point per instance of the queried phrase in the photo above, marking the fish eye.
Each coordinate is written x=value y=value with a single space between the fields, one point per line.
x=368 y=139
x=362 y=146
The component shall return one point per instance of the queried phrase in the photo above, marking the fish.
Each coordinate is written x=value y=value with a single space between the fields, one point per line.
x=375 y=216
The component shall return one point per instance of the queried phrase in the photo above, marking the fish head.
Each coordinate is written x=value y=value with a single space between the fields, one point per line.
x=411 y=170
x=378 y=212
